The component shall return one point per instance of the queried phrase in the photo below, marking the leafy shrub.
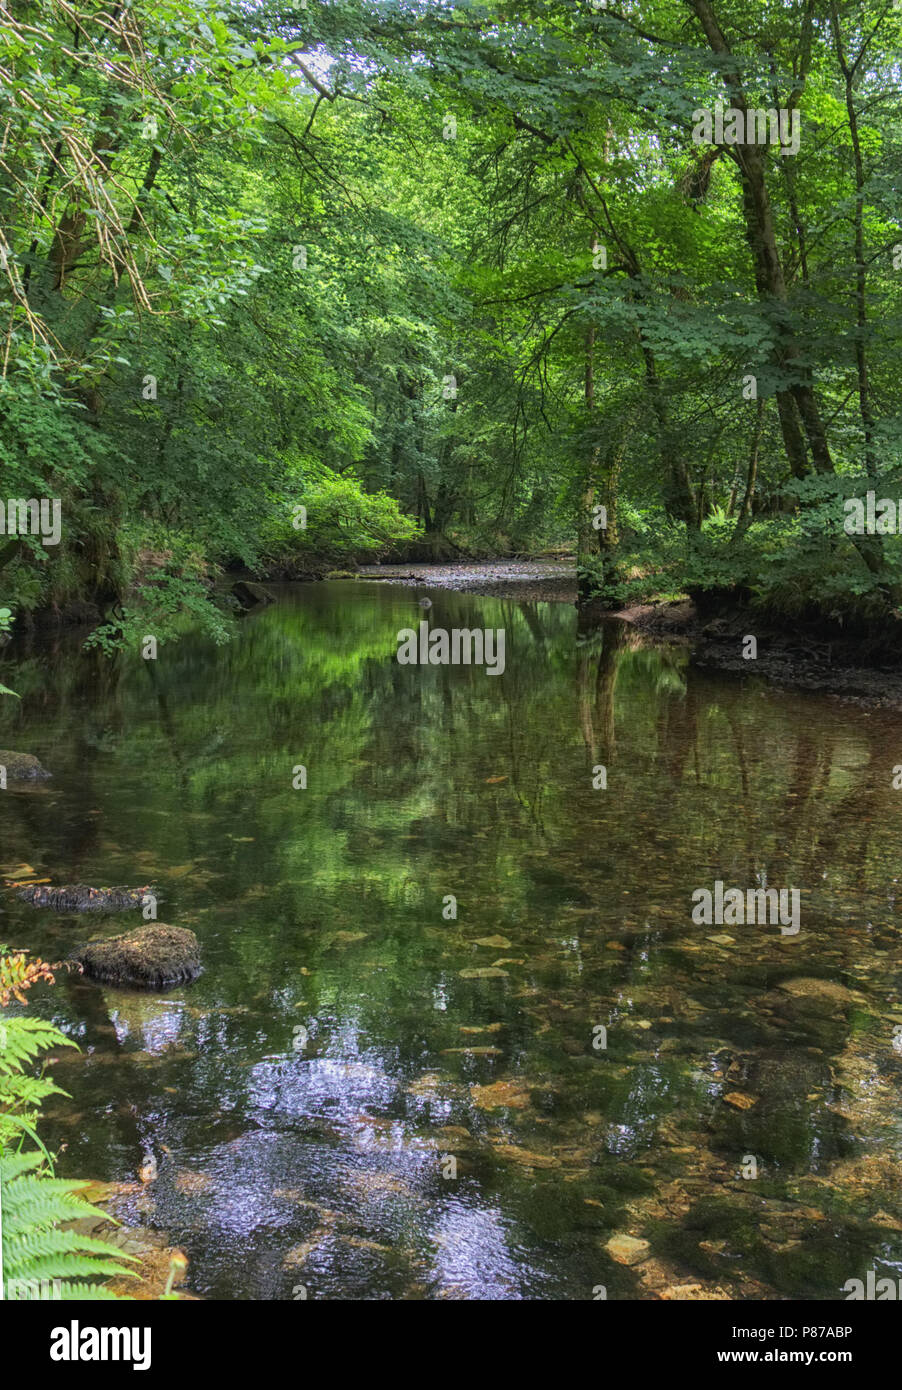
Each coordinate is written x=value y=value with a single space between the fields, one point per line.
x=343 y=525
x=169 y=588
x=796 y=563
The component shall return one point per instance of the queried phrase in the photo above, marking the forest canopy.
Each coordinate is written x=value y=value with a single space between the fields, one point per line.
x=456 y=280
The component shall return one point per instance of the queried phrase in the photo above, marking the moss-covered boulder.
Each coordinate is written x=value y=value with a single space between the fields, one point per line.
x=154 y=956
x=79 y=897
x=22 y=767
x=251 y=595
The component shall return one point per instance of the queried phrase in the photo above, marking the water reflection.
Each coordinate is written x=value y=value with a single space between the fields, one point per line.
x=426 y=1037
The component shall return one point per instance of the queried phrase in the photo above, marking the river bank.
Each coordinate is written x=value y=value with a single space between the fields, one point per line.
x=544 y=581
x=864 y=667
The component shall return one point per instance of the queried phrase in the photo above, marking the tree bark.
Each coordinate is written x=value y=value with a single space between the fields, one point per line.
x=861 y=362
x=584 y=527
x=769 y=278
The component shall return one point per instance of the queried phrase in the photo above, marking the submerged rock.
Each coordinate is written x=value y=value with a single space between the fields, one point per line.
x=22 y=767
x=192 y=1184
x=78 y=897
x=817 y=992
x=250 y=594
x=153 y=956
x=512 y=1093
x=627 y=1250
x=739 y=1101
x=526 y=1157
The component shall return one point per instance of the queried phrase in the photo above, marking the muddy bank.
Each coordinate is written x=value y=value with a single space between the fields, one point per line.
x=865 y=668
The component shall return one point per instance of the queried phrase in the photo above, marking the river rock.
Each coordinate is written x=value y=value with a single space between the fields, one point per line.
x=250 y=594
x=79 y=897
x=152 y=957
x=22 y=767
x=813 y=991
x=526 y=1157
x=627 y=1250
x=513 y=1093
x=740 y=1101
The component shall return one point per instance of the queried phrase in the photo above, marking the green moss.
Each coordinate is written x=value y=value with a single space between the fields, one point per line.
x=22 y=767
x=78 y=897
x=152 y=957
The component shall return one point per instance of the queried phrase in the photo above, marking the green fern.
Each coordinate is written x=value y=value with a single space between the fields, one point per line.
x=22 y=1040
x=41 y=1256
x=38 y=1250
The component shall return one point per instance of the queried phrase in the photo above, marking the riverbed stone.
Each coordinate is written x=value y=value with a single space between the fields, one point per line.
x=627 y=1250
x=512 y=1093
x=22 y=767
x=80 y=897
x=154 y=956
x=526 y=1157
x=740 y=1101
x=817 y=992
x=251 y=595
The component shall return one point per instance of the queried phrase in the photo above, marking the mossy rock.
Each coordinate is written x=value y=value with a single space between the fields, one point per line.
x=79 y=897
x=154 y=956
x=251 y=595
x=22 y=767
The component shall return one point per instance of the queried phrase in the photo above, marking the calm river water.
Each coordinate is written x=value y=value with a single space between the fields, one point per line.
x=364 y=1096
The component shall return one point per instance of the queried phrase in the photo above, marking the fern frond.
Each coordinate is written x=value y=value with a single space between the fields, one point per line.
x=90 y=1293
x=31 y=1200
x=65 y=1290
x=13 y=1166
x=36 y=1247
x=62 y=1264
x=25 y=1038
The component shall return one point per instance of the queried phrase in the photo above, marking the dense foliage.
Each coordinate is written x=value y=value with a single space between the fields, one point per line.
x=454 y=277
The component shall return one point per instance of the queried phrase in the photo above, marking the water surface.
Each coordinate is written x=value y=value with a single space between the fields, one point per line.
x=338 y=1106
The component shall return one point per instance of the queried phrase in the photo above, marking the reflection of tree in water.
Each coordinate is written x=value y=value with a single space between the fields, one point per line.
x=324 y=907
x=755 y=797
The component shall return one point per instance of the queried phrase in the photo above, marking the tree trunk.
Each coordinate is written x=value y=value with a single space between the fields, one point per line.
x=861 y=362
x=584 y=529
x=745 y=511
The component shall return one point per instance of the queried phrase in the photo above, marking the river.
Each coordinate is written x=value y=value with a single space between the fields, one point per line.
x=457 y=1034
